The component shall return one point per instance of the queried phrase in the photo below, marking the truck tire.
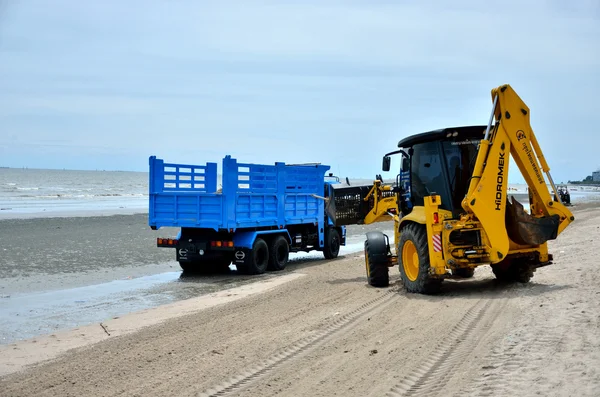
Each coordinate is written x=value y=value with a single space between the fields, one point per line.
x=189 y=267
x=207 y=266
x=221 y=265
x=464 y=272
x=413 y=258
x=259 y=258
x=376 y=260
x=332 y=243
x=279 y=253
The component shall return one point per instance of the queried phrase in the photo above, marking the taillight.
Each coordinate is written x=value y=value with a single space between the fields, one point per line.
x=221 y=244
x=166 y=242
x=436 y=218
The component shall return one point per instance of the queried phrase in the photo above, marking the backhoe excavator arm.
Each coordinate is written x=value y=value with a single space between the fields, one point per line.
x=384 y=208
x=486 y=198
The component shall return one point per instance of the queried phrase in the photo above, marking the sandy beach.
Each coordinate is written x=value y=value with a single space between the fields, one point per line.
x=320 y=330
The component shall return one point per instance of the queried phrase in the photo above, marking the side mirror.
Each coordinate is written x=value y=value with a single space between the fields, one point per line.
x=386 y=163
x=347 y=181
x=405 y=163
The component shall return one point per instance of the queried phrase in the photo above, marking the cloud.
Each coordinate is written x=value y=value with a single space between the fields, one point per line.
x=327 y=81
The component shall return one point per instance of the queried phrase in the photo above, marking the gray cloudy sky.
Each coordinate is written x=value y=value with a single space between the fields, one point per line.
x=105 y=84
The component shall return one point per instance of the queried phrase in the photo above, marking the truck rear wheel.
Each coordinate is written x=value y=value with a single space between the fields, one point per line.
x=207 y=265
x=413 y=258
x=376 y=260
x=279 y=253
x=259 y=258
x=332 y=243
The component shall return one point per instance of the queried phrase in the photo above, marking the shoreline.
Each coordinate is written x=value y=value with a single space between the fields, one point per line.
x=72 y=209
x=57 y=272
x=69 y=207
x=25 y=352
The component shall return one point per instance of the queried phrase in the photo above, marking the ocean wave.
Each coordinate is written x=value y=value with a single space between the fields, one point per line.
x=77 y=196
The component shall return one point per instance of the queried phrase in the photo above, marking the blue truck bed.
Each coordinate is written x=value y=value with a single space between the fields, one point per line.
x=254 y=216
x=252 y=195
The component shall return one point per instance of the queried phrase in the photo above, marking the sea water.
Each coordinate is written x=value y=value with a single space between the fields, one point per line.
x=42 y=192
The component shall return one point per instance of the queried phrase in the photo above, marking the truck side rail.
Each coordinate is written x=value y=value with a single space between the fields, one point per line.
x=182 y=177
x=184 y=195
x=252 y=195
x=271 y=195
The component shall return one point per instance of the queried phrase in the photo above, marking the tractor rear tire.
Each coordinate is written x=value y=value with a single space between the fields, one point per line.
x=413 y=259
x=522 y=271
x=519 y=270
x=279 y=253
x=502 y=271
x=464 y=272
x=332 y=243
x=376 y=260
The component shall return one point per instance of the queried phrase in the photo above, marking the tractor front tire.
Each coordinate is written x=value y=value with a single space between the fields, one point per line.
x=413 y=258
x=376 y=260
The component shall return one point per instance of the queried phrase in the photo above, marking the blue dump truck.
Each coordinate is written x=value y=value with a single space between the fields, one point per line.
x=258 y=215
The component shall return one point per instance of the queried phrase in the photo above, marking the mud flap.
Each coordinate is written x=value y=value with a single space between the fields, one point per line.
x=525 y=229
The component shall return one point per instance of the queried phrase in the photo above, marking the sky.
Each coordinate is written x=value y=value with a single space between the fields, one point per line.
x=105 y=85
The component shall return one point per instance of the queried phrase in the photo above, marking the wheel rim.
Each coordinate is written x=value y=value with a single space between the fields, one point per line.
x=367 y=264
x=410 y=260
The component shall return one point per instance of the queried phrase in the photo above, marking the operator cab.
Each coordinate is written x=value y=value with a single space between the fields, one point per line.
x=438 y=162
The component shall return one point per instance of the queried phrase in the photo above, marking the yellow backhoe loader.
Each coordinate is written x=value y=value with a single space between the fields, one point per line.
x=450 y=203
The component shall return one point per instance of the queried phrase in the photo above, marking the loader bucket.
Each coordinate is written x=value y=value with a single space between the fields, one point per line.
x=525 y=229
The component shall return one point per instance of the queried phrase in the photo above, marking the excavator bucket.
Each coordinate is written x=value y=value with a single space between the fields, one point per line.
x=525 y=229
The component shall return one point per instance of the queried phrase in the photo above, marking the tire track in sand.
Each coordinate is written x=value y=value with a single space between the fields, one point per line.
x=507 y=367
x=238 y=382
x=511 y=363
x=430 y=378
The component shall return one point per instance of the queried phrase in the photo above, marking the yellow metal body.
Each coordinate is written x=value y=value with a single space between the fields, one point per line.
x=384 y=208
x=485 y=202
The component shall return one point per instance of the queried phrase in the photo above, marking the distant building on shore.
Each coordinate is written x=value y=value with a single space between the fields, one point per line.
x=596 y=176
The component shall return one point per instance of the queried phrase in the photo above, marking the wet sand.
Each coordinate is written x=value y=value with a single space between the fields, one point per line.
x=59 y=273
